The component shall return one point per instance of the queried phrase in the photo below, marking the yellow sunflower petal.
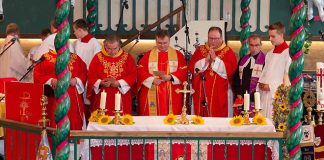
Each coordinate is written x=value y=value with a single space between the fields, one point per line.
x=237 y=121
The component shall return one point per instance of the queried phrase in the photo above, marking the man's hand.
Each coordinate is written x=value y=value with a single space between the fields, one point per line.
x=105 y=83
x=73 y=82
x=53 y=83
x=166 y=77
x=264 y=87
x=115 y=83
x=212 y=54
x=157 y=81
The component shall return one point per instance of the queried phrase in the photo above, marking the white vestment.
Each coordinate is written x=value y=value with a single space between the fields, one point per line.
x=275 y=73
x=13 y=62
x=46 y=45
x=86 y=51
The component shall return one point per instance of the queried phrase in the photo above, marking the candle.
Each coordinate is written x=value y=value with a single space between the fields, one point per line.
x=103 y=97
x=257 y=100
x=117 y=101
x=319 y=84
x=246 y=101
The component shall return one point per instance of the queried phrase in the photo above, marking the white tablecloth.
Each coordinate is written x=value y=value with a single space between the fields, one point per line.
x=155 y=123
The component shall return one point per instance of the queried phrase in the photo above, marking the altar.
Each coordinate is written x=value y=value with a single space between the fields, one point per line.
x=205 y=149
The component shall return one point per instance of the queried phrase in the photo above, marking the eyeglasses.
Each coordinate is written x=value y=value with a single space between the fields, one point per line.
x=254 y=45
x=214 y=38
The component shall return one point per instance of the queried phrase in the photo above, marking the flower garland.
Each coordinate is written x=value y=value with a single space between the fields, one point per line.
x=281 y=112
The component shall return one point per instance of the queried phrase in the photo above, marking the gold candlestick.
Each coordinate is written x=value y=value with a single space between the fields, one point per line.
x=102 y=112
x=117 y=118
x=309 y=114
x=246 y=117
x=320 y=115
x=183 y=119
x=257 y=111
x=44 y=122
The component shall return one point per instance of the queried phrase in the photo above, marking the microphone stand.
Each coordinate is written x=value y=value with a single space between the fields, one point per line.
x=7 y=48
x=124 y=5
x=204 y=101
x=187 y=56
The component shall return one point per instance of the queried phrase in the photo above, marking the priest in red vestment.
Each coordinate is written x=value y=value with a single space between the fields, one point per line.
x=111 y=70
x=161 y=71
x=44 y=74
x=217 y=62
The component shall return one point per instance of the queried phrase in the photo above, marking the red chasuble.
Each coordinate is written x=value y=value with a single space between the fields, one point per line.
x=216 y=86
x=45 y=70
x=161 y=99
x=120 y=67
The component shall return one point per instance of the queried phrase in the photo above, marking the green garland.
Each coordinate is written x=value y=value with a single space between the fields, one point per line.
x=92 y=16
x=295 y=74
x=63 y=76
x=244 y=22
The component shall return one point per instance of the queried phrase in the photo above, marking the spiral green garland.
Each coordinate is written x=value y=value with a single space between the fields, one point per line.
x=63 y=75
x=295 y=75
x=92 y=16
x=244 y=22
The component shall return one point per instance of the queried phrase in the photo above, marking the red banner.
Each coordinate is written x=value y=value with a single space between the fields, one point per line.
x=22 y=104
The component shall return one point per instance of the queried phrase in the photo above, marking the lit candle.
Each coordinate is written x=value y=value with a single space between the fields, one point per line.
x=257 y=100
x=117 y=101
x=103 y=97
x=246 y=101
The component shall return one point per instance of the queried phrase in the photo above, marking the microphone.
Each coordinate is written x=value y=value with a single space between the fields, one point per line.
x=176 y=39
x=202 y=76
x=126 y=4
x=14 y=39
x=36 y=63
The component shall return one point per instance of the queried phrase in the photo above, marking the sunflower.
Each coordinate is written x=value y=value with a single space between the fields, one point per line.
x=197 y=120
x=170 y=119
x=237 y=121
x=259 y=119
x=127 y=120
x=104 y=120
x=277 y=95
x=282 y=127
x=283 y=107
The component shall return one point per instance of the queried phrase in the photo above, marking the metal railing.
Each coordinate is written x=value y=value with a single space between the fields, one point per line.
x=158 y=144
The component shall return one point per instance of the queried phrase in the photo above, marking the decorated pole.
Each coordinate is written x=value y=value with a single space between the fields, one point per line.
x=244 y=22
x=92 y=16
x=63 y=75
x=295 y=75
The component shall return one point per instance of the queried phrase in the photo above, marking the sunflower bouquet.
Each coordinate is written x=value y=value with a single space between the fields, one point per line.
x=126 y=119
x=259 y=119
x=172 y=119
x=280 y=113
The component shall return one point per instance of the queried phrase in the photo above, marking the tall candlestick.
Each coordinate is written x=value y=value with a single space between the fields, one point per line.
x=257 y=100
x=117 y=101
x=103 y=97
x=246 y=101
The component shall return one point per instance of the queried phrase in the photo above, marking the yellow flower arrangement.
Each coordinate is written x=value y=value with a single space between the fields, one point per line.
x=104 y=120
x=127 y=120
x=197 y=120
x=259 y=119
x=237 y=121
x=282 y=127
x=170 y=119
